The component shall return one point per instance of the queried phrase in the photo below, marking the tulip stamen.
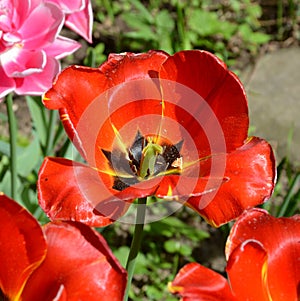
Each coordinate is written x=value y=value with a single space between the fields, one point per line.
x=149 y=157
x=143 y=160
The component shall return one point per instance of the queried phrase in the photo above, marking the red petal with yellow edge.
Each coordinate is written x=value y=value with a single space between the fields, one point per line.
x=280 y=239
x=65 y=188
x=23 y=247
x=205 y=74
x=195 y=282
x=247 y=272
x=79 y=266
x=76 y=88
x=250 y=173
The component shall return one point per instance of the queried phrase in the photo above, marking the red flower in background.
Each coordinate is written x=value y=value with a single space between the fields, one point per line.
x=61 y=261
x=150 y=124
x=263 y=254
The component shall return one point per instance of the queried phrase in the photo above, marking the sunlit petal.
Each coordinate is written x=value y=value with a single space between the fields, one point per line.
x=195 y=282
x=23 y=247
x=79 y=265
x=65 y=188
x=250 y=174
x=280 y=238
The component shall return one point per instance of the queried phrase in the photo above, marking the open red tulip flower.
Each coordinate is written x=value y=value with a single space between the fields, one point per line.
x=150 y=124
x=61 y=261
x=263 y=254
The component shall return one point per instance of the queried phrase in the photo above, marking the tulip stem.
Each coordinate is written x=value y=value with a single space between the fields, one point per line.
x=136 y=243
x=12 y=124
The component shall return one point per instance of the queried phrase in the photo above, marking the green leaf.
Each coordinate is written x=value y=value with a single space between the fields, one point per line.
x=142 y=11
x=153 y=293
x=142 y=29
x=165 y=26
x=37 y=111
x=4 y=148
x=207 y=23
x=5 y=186
x=185 y=250
x=252 y=37
x=28 y=157
x=259 y=38
x=172 y=246
x=122 y=254
x=171 y=225
x=3 y=117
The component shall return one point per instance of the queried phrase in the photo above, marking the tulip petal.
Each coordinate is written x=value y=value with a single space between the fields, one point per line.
x=251 y=173
x=42 y=26
x=247 y=272
x=23 y=247
x=79 y=104
x=21 y=62
x=280 y=239
x=37 y=83
x=70 y=6
x=82 y=21
x=79 y=186
x=61 y=47
x=208 y=76
x=195 y=282
x=7 y=84
x=79 y=266
x=18 y=11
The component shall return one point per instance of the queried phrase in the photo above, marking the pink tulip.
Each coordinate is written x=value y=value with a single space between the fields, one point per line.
x=30 y=45
x=79 y=16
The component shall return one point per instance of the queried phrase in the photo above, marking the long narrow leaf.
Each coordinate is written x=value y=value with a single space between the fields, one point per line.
x=39 y=119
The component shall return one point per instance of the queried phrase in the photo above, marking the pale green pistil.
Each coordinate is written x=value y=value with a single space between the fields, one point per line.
x=149 y=156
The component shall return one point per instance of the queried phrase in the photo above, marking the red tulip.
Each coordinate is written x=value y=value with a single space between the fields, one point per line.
x=150 y=124
x=263 y=263
x=62 y=261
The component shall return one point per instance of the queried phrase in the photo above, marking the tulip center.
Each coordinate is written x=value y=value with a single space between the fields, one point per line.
x=144 y=159
x=3 y=297
x=149 y=156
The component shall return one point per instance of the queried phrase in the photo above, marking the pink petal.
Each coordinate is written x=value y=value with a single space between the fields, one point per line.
x=13 y=14
x=7 y=84
x=82 y=22
x=62 y=47
x=18 y=62
x=42 y=26
x=38 y=83
x=20 y=10
x=70 y=6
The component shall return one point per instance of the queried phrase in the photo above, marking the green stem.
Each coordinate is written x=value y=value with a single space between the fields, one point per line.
x=13 y=144
x=136 y=243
